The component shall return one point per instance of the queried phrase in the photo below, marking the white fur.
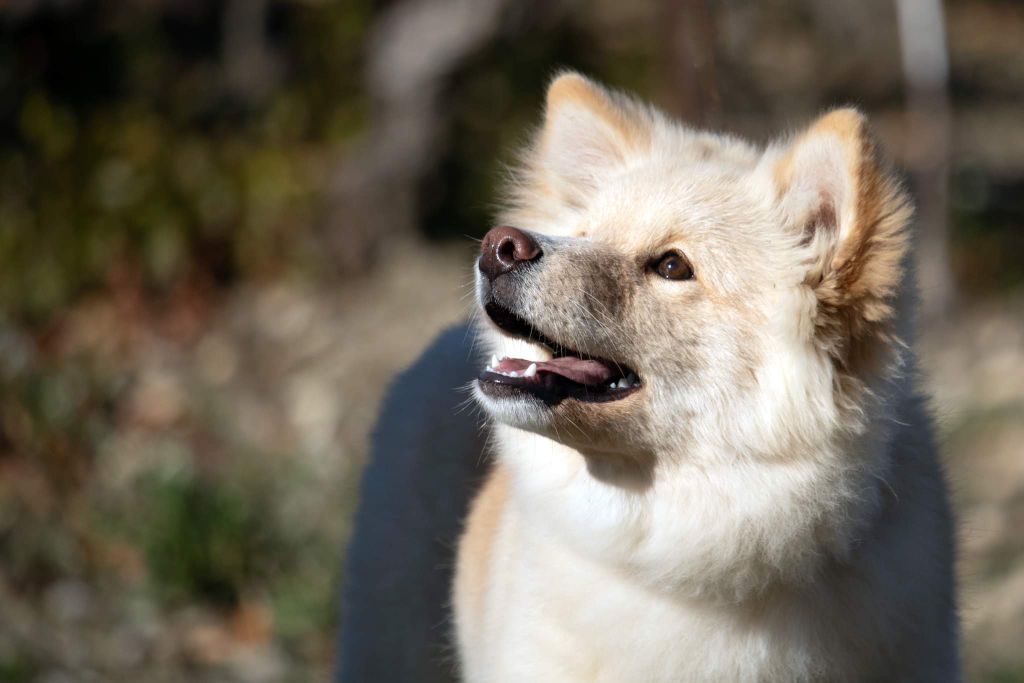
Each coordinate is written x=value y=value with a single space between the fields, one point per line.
x=787 y=532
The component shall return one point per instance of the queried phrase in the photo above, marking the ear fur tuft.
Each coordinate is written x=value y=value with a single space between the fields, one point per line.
x=853 y=215
x=588 y=133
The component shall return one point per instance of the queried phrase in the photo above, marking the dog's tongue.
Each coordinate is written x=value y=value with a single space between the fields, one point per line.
x=591 y=372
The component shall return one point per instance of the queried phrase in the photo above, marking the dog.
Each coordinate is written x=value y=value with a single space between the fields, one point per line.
x=711 y=463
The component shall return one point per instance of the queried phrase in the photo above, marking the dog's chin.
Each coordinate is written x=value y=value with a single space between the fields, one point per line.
x=585 y=424
x=527 y=413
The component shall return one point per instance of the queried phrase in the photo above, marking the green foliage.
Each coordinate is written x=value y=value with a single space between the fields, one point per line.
x=159 y=163
x=219 y=538
x=202 y=539
x=17 y=668
x=1006 y=675
x=987 y=216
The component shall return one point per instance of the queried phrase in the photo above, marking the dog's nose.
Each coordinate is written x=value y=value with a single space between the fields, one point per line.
x=504 y=249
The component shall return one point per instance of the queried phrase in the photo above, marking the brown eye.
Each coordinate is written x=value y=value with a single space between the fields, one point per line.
x=673 y=266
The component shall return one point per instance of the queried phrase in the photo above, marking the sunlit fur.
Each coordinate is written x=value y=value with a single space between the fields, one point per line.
x=768 y=507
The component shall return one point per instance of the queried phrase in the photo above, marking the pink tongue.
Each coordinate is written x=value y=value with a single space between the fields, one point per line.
x=578 y=370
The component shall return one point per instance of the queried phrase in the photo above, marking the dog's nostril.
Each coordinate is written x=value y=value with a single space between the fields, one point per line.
x=506 y=248
x=506 y=251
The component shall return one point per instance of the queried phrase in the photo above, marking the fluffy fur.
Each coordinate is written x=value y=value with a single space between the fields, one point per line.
x=769 y=506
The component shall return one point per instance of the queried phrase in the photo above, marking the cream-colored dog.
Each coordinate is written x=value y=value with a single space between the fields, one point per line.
x=711 y=464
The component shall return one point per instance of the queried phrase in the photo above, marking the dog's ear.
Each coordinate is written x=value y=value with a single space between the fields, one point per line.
x=588 y=133
x=849 y=210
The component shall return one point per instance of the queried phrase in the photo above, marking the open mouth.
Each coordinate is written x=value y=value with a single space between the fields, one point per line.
x=569 y=374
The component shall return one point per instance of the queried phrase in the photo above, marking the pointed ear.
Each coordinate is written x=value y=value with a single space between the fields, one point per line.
x=588 y=133
x=849 y=209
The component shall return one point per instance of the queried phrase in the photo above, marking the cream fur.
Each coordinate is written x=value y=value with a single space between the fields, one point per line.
x=769 y=506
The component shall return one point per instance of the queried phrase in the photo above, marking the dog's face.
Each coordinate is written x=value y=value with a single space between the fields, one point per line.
x=654 y=286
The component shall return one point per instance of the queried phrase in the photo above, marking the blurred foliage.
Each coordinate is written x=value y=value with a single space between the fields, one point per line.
x=129 y=160
x=51 y=419
x=16 y=668
x=120 y=141
x=220 y=538
x=202 y=540
x=123 y=140
x=988 y=239
x=1006 y=676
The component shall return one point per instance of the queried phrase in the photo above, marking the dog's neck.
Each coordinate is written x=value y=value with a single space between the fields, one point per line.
x=711 y=526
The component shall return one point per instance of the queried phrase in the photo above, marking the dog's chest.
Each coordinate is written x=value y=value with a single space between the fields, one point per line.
x=563 y=618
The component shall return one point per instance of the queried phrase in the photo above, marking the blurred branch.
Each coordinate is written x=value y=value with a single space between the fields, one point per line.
x=250 y=66
x=690 y=47
x=926 y=76
x=413 y=50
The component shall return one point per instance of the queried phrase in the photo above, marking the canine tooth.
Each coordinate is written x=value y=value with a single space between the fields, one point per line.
x=530 y=371
x=494 y=362
x=623 y=383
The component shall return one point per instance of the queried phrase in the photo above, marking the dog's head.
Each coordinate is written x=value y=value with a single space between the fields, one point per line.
x=653 y=287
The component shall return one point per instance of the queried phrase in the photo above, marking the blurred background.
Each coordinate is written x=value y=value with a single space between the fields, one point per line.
x=224 y=225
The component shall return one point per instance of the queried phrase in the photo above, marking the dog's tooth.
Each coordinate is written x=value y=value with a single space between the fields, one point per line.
x=530 y=371
x=493 y=363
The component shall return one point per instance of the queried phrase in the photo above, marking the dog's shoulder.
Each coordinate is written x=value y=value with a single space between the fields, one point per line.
x=425 y=465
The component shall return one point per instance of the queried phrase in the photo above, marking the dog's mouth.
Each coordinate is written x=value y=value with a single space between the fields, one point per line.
x=569 y=374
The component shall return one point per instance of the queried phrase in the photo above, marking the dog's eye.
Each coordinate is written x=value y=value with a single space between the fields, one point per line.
x=673 y=266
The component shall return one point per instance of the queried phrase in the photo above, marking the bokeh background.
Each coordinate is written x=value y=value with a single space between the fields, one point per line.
x=225 y=224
